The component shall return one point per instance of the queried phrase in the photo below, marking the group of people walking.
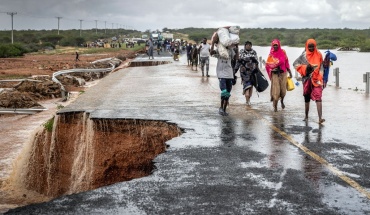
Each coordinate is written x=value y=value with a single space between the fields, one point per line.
x=309 y=65
x=196 y=54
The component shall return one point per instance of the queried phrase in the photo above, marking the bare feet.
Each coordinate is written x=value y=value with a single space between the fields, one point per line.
x=321 y=121
x=282 y=105
x=274 y=104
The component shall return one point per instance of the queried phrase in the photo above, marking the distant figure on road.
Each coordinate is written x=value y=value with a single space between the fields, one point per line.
x=204 y=52
x=225 y=74
x=194 y=57
x=247 y=63
x=159 y=47
x=310 y=66
x=151 y=48
x=277 y=66
x=77 y=57
x=176 y=54
x=188 y=53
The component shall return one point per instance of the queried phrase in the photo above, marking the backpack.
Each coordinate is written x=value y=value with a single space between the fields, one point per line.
x=259 y=81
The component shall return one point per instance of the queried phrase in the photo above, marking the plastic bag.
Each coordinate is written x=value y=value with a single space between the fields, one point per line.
x=289 y=84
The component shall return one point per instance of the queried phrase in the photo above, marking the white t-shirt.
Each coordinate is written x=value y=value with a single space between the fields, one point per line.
x=223 y=68
x=204 y=50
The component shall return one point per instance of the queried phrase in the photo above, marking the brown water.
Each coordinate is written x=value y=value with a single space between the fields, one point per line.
x=81 y=154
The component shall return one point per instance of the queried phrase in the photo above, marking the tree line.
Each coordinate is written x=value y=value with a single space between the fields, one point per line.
x=34 y=40
x=26 y=41
x=326 y=38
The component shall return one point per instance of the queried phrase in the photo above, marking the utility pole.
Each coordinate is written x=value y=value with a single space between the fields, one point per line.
x=58 y=17
x=105 y=27
x=96 y=27
x=112 y=26
x=12 y=14
x=81 y=27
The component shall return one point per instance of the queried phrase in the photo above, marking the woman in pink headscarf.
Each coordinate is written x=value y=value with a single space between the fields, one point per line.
x=277 y=66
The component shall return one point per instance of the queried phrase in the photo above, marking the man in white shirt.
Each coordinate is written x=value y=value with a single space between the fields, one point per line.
x=204 y=55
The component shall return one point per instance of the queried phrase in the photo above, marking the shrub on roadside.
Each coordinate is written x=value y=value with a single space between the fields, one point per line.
x=365 y=47
x=32 y=47
x=12 y=50
x=72 y=41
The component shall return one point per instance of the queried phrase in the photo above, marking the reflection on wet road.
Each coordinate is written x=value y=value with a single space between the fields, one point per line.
x=315 y=156
x=254 y=161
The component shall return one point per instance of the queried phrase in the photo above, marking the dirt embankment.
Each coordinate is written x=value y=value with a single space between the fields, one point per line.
x=38 y=69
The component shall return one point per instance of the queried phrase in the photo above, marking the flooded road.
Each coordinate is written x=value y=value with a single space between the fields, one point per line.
x=254 y=161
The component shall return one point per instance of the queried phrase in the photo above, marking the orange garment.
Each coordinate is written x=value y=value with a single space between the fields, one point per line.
x=277 y=58
x=315 y=59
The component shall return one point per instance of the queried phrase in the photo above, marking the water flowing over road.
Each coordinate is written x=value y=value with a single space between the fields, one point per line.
x=254 y=161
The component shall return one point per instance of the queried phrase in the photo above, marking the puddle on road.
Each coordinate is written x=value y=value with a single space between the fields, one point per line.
x=147 y=63
x=77 y=154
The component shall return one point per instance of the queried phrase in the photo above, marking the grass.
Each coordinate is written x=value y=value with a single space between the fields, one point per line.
x=13 y=76
x=83 y=50
x=48 y=125
x=110 y=50
x=60 y=107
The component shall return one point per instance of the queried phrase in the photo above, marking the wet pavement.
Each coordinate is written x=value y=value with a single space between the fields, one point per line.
x=254 y=161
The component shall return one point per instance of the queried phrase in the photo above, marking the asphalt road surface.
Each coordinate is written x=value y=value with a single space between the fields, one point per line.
x=254 y=161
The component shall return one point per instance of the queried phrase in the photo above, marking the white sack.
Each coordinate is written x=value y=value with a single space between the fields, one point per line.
x=224 y=37
x=234 y=38
x=234 y=29
x=222 y=51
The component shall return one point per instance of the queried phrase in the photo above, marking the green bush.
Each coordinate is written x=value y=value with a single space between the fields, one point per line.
x=72 y=41
x=12 y=50
x=32 y=47
x=47 y=44
x=48 y=125
x=365 y=47
x=198 y=37
x=53 y=39
x=5 y=39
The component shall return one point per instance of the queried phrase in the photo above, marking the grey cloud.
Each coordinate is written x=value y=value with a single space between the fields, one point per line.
x=149 y=14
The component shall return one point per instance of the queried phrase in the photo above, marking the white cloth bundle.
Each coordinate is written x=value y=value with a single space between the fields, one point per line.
x=226 y=38
x=222 y=51
x=234 y=38
x=234 y=29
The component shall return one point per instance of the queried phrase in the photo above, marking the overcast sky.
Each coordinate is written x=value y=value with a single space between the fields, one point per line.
x=157 y=14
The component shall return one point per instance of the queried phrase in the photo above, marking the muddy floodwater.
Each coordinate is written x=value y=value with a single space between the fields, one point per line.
x=159 y=124
x=352 y=65
x=77 y=154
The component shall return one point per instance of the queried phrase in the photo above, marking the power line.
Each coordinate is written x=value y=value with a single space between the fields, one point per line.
x=81 y=27
x=58 y=17
x=12 y=14
x=96 y=26
x=22 y=14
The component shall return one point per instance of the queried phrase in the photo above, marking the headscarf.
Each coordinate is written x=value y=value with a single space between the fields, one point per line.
x=315 y=59
x=276 y=58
